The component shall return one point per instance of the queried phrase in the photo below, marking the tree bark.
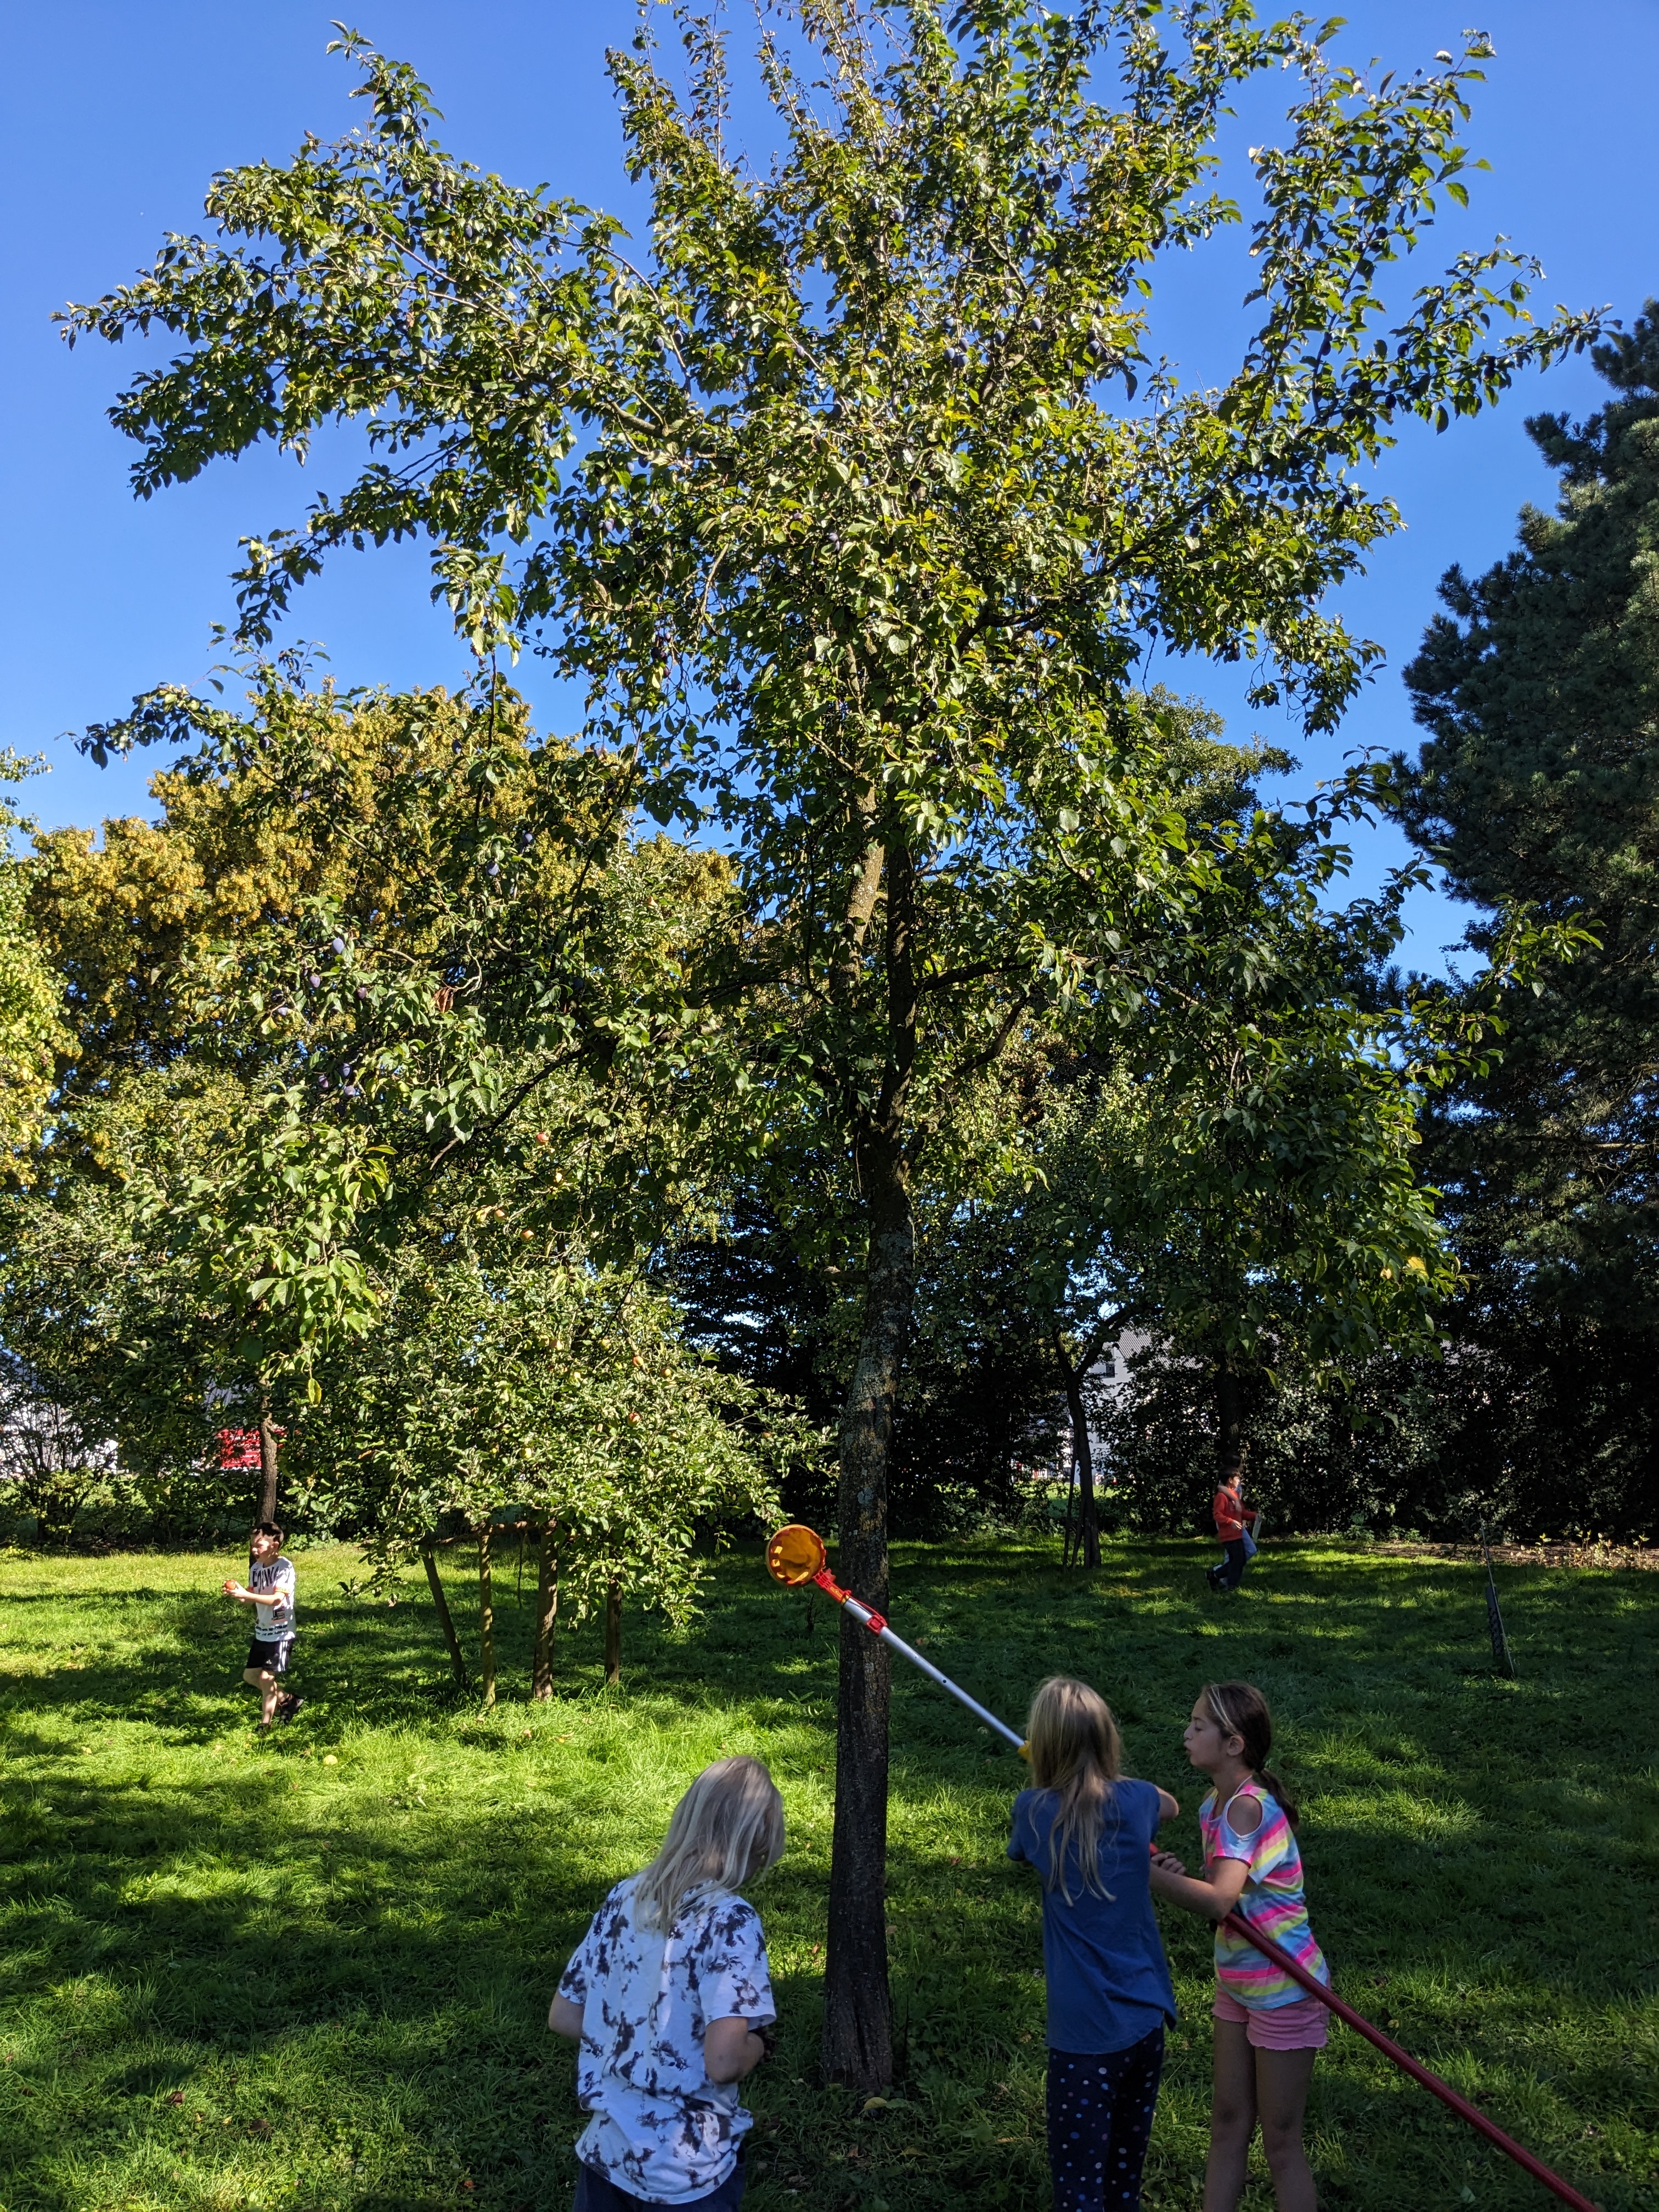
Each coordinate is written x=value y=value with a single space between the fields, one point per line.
x=267 y=1459
x=858 y=2039
x=434 y=1583
x=1083 y=1457
x=858 y=2026
x=486 y=1618
x=547 y=1609
x=613 y=1630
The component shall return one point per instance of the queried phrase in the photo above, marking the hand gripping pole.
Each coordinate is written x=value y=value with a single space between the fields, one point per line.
x=796 y=1556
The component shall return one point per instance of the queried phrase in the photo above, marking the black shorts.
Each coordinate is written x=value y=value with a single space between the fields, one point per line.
x=270 y=1658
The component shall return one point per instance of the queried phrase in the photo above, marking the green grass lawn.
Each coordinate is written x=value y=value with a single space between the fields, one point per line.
x=315 y=1971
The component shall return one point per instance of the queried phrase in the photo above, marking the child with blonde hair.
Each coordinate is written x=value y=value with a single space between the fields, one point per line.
x=1268 y=2030
x=669 y=1999
x=1088 y=1831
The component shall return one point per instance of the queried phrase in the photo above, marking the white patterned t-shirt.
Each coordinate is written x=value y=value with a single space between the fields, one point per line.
x=272 y=1621
x=660 y=2128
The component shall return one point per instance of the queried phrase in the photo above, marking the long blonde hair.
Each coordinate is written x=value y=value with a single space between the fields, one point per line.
x=1073 y=1743
x=727 y=1828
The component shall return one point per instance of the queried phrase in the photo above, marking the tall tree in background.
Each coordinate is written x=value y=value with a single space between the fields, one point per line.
x=364 y=976
x=1539 y=781
x=33 y=1031
x=829 y=496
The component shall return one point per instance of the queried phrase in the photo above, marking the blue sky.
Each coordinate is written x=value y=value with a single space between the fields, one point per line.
x=115 y=116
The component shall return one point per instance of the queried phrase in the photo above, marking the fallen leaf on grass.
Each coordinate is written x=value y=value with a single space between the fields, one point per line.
x=176 y=2098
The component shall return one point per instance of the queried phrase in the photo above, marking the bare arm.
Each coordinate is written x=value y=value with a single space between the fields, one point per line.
x=565 y=2018
x=244 y=1596
x=1213 y=1899
x=731 y=2049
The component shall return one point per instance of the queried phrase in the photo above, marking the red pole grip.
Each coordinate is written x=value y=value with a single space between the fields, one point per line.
x=874 y=1621
x=1403 y=2059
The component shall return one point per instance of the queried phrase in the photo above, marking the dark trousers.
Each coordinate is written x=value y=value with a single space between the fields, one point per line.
x=597 y=2192
x=1231 y=1572
x=1100 y=2121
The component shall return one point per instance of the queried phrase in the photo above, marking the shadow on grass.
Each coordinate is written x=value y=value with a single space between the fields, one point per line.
x=336 y=1960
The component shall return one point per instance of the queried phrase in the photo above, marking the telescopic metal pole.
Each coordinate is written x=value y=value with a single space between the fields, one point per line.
x=876 y=1624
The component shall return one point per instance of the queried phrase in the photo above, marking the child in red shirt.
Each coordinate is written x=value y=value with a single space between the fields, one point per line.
x=1230 y=1515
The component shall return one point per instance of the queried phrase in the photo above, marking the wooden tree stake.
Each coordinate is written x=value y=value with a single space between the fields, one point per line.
x=486 y=1618
x=613 y=1631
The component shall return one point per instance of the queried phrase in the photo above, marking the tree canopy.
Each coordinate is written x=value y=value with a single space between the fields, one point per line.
x=851 y=499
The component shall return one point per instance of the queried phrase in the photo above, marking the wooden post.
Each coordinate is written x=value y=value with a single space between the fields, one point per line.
x=1087 y=1548
x=1066 y=1529
x=486 y=1618
x=267 y=1458
x=547 y=1608
x=434 y=1583
x=613 y=1631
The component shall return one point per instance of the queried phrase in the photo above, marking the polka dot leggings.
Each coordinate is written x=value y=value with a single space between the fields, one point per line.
x=1100 y=2121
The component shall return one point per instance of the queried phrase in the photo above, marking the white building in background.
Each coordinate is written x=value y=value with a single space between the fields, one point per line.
x=1108 y=1375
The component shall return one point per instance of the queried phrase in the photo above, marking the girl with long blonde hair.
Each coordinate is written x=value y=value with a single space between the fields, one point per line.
x=669 y=1999
x=1088 y=1830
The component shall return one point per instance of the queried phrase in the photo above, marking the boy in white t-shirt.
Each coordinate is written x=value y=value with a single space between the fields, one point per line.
x=270 y=1590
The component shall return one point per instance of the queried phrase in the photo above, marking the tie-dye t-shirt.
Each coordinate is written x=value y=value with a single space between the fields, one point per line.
x=1272 y=1901
x=660 y=2128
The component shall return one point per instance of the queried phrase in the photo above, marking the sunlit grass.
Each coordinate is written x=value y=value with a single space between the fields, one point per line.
x=315 y=1971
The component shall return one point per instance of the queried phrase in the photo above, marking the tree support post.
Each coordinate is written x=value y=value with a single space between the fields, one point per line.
x=267 y=1458
x=613 y=1630
x=486 y=1618
x=1083 y=1457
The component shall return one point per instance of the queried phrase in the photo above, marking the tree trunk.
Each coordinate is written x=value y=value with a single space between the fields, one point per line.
x=434 y=1583
x=613 y=1630
x=858 y=2034
x=486 y=1618
x=267 y=1459
x=1229 y=1411
x=1083 y=1458
x=547 y=1609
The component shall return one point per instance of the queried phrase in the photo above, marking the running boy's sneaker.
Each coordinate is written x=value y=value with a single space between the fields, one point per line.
x=288 y=1707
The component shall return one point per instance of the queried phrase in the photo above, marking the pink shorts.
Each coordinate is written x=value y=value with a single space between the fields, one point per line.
x=1298 y=2027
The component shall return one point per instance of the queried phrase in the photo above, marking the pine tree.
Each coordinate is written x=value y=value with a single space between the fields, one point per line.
x=1541 y=782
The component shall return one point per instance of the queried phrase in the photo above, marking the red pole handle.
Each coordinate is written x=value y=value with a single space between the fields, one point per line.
x=874 y=1621
x=1477 y=2119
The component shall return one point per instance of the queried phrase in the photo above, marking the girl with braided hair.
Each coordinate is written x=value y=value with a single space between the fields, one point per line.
x=1267 y=2031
